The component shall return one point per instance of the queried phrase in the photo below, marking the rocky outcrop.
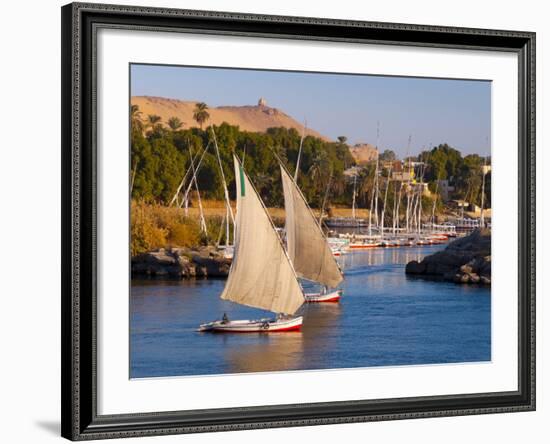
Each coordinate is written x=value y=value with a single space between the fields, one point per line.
x=466 y=260
x=181 y=263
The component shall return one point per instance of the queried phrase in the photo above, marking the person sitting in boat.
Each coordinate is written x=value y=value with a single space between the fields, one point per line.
x=225 y=318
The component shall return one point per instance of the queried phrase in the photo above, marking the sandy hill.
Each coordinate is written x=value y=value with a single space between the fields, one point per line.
x=249 y=118
x=363 y=153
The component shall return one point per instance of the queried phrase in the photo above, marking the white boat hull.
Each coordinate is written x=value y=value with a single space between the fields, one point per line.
x=332 y=296
x=254 y=326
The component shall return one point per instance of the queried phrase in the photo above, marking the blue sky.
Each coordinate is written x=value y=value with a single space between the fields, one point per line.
x=433 y=111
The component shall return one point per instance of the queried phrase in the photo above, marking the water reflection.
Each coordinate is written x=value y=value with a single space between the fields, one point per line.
x=286 y=351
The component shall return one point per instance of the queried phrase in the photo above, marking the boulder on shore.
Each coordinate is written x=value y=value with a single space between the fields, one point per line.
x=181 y=263
x=466 y=260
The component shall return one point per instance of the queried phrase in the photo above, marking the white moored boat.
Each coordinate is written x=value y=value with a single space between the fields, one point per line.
x=261 y=273
x=307 y=246
x=363 y=245
x=329 y=296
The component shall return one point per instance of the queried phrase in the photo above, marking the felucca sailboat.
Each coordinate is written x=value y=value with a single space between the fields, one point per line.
x=307 y=245
x=261 y=274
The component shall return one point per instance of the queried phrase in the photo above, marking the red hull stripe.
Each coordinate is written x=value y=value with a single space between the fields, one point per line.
x=334 y=299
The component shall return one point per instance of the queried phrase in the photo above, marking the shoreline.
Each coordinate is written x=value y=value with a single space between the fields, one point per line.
x=180 y=263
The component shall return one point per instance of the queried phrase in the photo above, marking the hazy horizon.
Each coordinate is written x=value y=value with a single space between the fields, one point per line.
x=432 y=111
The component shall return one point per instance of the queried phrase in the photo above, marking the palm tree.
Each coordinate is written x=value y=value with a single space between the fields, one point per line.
x=201 y=114
x=365 y=183
x=338 y=185
x=155 y=125
x=342 y=139
x=153 y=120
x=318 y=172
x=135 y=118
x=174 y=123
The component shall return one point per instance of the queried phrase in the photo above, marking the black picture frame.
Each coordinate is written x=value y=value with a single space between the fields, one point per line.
x=78 y=334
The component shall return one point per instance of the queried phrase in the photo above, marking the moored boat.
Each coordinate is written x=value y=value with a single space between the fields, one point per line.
x=387 y=243
x=364 y=245
x=227 y=251
x=345 y=222
x=308 y=248
x=328 y=296
x=422 y=242
x=338 y=246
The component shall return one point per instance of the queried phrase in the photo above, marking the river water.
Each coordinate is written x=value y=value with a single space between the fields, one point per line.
x=384 y=318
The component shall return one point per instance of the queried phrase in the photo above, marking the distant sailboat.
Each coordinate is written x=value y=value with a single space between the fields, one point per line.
x=261 y=274
x=307 y=245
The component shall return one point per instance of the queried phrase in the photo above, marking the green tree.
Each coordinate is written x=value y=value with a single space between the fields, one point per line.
x=135 y=119
x=388 y=155
x=174 y=123
x=161 y=157
x=200 y=114
x=153 y=119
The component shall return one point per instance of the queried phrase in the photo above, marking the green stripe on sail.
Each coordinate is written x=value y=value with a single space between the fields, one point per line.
x=242 y=180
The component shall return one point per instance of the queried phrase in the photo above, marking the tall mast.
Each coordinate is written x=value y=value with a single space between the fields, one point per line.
x=325 y=198
x=188 y=189
x=300 y=151
x=353 y=200
x=182 y=183
x=376 y=175
x=202 y=220
x=220 y=232
x=134 y=169
x=435 y=202
x=372 y=198
x=394 y=209
x=370 y=210
x=398 y=206
x=227 y=227
x=408 y=189
x=385 y=199
x=226 y=193
x=484 y=172
x=420 y=191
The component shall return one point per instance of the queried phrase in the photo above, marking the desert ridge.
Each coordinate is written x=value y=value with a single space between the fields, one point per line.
x=254 y=118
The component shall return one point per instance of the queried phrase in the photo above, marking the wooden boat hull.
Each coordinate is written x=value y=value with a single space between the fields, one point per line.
x=254 y=326
x=332 y=296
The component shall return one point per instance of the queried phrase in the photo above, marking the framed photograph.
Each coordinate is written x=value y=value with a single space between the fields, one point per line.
x=283 y=221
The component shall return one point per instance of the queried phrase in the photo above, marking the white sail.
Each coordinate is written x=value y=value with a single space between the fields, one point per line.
x=307 y=246
x=261 y=273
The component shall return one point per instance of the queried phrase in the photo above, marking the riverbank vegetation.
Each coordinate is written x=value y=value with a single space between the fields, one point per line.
x=162 y=155
x=160 y=158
